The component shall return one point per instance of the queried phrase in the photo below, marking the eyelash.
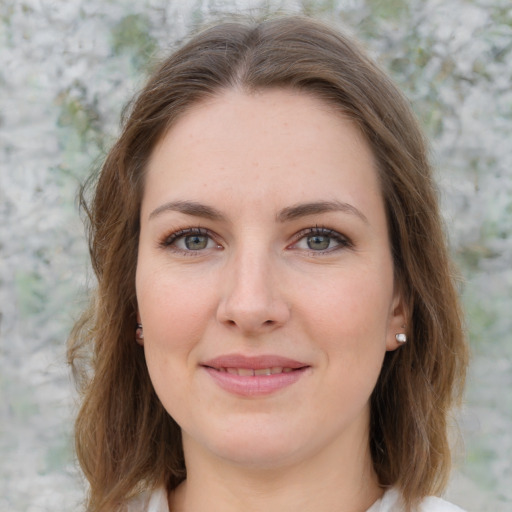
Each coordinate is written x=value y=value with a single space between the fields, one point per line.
x=343 y=242
x=169 y=240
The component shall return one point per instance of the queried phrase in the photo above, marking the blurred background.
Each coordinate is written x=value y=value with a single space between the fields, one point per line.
x=67 y=67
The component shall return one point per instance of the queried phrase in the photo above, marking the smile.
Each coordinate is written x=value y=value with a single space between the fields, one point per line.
x=254 y=376
x=251 y=372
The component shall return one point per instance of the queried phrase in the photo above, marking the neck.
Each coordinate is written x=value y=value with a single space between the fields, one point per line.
x=335 y=480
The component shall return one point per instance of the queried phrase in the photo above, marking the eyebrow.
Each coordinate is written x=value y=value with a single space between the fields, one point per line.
x=287 y=214
x=189 y=208
x=305 y=209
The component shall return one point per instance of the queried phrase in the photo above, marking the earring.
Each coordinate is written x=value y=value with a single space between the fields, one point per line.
x=139 y=333
x=401 y=337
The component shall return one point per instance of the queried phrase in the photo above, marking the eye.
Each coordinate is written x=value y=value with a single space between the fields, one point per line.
x=320 y=240
x=194 y=242
x=190 y=240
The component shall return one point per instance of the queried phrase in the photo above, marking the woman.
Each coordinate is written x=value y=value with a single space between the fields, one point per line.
x=275 y=325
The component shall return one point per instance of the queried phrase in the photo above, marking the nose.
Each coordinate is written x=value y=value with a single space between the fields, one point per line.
x=251 y=300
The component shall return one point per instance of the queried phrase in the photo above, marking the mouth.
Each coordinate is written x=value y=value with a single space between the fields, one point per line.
x=254 y=376
x=253 y=372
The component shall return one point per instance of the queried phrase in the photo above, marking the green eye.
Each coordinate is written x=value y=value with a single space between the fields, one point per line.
x=318 y=242
x=321 y=240
x=196 y=242
x=189 y=240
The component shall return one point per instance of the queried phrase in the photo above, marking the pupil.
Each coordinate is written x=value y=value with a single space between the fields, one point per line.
x=318 y=242
x=196 y=242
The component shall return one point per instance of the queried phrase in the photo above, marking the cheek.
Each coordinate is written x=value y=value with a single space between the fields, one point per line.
x=175 y=312
x=348 y=319
x=355 y=304
x=174 y=317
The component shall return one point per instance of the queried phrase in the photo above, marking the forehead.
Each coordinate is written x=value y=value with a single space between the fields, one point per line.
x=271 y=144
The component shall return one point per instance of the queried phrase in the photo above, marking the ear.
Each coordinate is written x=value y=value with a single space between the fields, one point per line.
x=397 y=323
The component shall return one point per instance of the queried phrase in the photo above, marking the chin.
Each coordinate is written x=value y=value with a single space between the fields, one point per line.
x=260 y=448
x=260 y=455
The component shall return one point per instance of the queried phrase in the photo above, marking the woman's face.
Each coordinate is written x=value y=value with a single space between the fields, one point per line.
x=265 y=278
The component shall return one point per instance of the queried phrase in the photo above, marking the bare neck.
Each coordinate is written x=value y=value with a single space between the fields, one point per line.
x=328 y=481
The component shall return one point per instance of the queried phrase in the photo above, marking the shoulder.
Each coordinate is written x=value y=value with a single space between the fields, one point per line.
x=149 y=501
x=391 y=500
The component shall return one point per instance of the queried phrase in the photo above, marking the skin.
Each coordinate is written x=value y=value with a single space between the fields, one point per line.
x=256 y=281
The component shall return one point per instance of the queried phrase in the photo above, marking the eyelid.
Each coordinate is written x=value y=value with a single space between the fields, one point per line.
x=167 y=242
x=344 y=241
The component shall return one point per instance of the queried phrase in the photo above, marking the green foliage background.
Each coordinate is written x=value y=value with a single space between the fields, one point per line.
x=67 y=67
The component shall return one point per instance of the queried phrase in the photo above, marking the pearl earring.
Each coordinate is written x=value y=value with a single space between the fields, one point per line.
x=139 y=333
x=401 y=337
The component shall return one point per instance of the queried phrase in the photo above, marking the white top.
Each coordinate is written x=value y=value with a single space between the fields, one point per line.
x=157 y=502
x=388 y=503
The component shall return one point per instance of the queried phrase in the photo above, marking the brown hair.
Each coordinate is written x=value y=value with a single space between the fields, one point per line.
x=125 y=440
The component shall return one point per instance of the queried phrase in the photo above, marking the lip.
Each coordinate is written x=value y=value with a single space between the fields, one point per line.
x=254 y=385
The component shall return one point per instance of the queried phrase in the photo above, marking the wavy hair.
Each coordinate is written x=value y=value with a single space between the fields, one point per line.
x=125 y=440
